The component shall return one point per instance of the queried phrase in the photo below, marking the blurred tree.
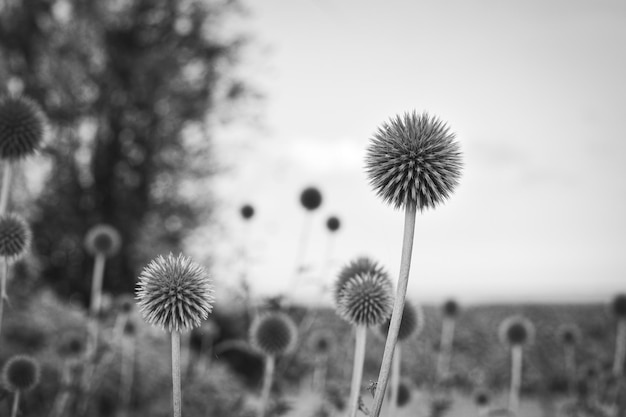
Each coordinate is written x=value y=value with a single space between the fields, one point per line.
x=132 y=88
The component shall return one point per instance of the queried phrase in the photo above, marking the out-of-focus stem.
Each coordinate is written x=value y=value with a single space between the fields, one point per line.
x=445 y=349
x=620 y=348
x=16 y=402
x=357 y=369
x=516 y=378
x=4 y=270
x=395 y=380
x=268 y=378
x=398 y=308
x=6 y=186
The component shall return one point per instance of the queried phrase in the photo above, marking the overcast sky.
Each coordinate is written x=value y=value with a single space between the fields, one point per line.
x=534 y=90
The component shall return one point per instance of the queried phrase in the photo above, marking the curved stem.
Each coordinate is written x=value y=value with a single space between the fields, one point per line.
x=620 y=348
x=16 y=401
x=176 y=392
x=6 y=186
x=268 y=378
x=395 y=381
x=357 y=369
x=398 y=308
x=516 y=378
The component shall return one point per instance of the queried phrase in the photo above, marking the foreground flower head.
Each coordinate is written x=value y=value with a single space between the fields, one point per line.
x=273 y=333
x=104 y=240
x=411 y=324
x=20 y=373
x=15 y=236
x=311 y=198
x=22 y=126
x=362 y=265
x=516 y=330
x=174 y=293
x=366 y=300
x=414 y=159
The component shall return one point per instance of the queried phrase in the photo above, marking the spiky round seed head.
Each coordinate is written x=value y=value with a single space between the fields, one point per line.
x=311 y=198
x=72 y=345
x=414 y=160
x=516 y=330
x=322 y=342
x=174 y=293
x=481 y=398
x=362 y=265
x=247 y=211
x=450 y=308
x=20 y=373
x=404 y=394
x=22 y=126
x=273 y=333
x=569 y=334
x=411 y=324
x=366 y=300
x=333 y=224
x=15 y=237
x=103 y=239
x=619 y=306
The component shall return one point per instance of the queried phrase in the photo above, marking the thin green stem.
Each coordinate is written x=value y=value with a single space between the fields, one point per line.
x=6 y=186
x=16 y=402
x=357 y=370
x=395 y=380
x=516 y=378
x=398 y=308
x=268 y=378
x=176 y=392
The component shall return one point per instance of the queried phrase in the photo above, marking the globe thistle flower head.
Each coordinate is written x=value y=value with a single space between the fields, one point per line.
x=619 y=306
x=104 y=240
x=322 y=342
x=174 y=293
x=247 y=211
x=569 y=334
x=333 y=224
x=411 y=324
x=22 y=127
x=20 y=373
x=516 y=331
x=15 y=237
x=450 y=308
x=273 y=333
x=366 y=300
x=362 y=265
x=414 y=160
x=311 y=198
x=72 y=345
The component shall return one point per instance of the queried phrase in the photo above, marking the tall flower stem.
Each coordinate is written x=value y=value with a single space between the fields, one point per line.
x=319 y=373
x=395 y=380
x=398 y=307
x=16 y=402
x=516 y=378
x=96 y=285
x=445 y=353
x=357 y=370
x=127 y=373
x=176 y=392
x=569 y=353
x=620 y=348
x=6 y=186
x=268 y=378
x=3 y=287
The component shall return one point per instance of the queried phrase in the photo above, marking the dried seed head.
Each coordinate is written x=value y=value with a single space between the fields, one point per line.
x=516 y=330
x=174 y=293
x=414 y=159
x=20 y=373
x=619 y=306
x=569 y=334
x=311 y=198
x=247 y=211
x=333 y=223
x=15 y=237
x=358 y=266
x=450 y=308
x=22 y=127
x=411 y=324
x=103 y=239
x=273 y=333
x=366 y=300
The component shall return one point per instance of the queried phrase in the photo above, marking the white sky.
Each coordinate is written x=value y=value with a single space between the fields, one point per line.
x=535 y=91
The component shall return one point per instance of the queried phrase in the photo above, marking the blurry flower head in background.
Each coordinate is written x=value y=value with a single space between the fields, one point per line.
x=21 y=373
x=273 y=333
x=103 y=239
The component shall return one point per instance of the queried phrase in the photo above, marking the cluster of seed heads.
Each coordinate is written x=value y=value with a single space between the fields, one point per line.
x=174 y=293
x=22 y=126
x=414 y=160
x=516 y=330
x=15 y=236
x=362 y=265
x=366 y=300
x=104 y=240
x=20 y=373
x=273 y=333
x=411 y=323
